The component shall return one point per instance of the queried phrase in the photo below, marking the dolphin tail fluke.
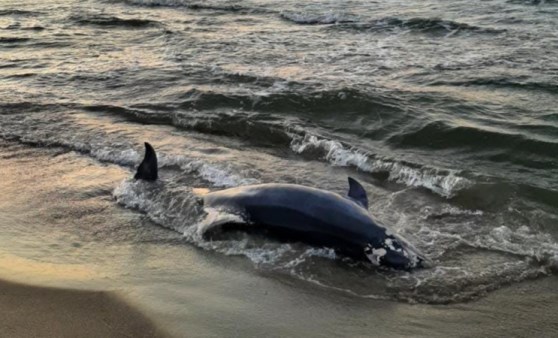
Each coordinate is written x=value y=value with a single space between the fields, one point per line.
x=147 y=169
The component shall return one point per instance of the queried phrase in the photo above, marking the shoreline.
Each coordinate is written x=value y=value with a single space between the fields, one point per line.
x=35 y=311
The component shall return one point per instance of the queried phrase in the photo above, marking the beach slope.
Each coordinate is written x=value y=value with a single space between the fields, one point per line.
x=29 y=311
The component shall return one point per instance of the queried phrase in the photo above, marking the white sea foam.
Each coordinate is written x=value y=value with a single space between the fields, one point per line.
x=523 y=242
x=448 y=210
x=442 y=182
x=266 y=254
x=220 y=177
x=119 y=156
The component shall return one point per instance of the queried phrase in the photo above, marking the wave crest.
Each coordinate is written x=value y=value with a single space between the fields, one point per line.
x=316 y=19
x=417 y=25
x=443 y=182
x=111 y=21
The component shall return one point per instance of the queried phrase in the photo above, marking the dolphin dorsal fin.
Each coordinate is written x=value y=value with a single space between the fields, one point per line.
x=357 y=193
x=147 y=169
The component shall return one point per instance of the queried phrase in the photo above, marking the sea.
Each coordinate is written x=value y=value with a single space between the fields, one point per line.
x=446 y=111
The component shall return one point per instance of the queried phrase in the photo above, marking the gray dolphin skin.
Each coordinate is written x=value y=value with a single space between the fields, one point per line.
x=317 y=217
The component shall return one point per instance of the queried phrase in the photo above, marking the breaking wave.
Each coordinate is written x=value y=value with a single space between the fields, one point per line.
x=261 y=129
x=104 y=150
x=417 y=25
x=443 y=182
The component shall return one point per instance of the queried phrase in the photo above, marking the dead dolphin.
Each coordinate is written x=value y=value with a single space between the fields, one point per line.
x=304 y=214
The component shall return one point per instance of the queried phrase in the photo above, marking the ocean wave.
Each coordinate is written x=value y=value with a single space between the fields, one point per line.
x=7 y=108
x=256 y=127
x=20 y=75
x=27 y=28
x=16 y=42
x=18 y=12
x=285 y=100
x=418 y=25
x=13 y=40
x=307 y=140
x=316 y=19
x=532 y=2
x=218 y=175
x=519 y=84
x=261 y=129
x=111 y=21
x=193 y=5
x=443 y=182
x=315 y=143
x=441 y=135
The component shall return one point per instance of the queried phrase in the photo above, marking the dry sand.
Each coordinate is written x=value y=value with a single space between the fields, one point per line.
x=29 y=311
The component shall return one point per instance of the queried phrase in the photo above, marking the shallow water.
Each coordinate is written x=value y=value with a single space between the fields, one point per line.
x=60 y=227
x=446 y=111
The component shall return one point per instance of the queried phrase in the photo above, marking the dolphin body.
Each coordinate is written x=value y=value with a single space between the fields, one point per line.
x=317 y=217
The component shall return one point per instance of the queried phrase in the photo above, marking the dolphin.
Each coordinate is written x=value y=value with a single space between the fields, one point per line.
x=313 y=216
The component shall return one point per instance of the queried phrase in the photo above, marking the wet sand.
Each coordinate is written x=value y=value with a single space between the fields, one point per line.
x=30 y=311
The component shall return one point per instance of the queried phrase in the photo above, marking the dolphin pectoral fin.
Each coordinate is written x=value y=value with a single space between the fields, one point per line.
x=147 y=170
x=357 y=193
x=214 y=221
x=200 y=192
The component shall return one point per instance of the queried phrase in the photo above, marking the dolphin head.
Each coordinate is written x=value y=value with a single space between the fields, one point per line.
x=396 y=253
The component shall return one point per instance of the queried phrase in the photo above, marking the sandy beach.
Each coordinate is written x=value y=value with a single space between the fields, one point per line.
x=30 y=311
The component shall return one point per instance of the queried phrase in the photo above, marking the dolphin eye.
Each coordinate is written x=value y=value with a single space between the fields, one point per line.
x=368 y=249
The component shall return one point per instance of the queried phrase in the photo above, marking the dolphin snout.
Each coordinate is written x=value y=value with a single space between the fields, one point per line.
x=397 y=260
